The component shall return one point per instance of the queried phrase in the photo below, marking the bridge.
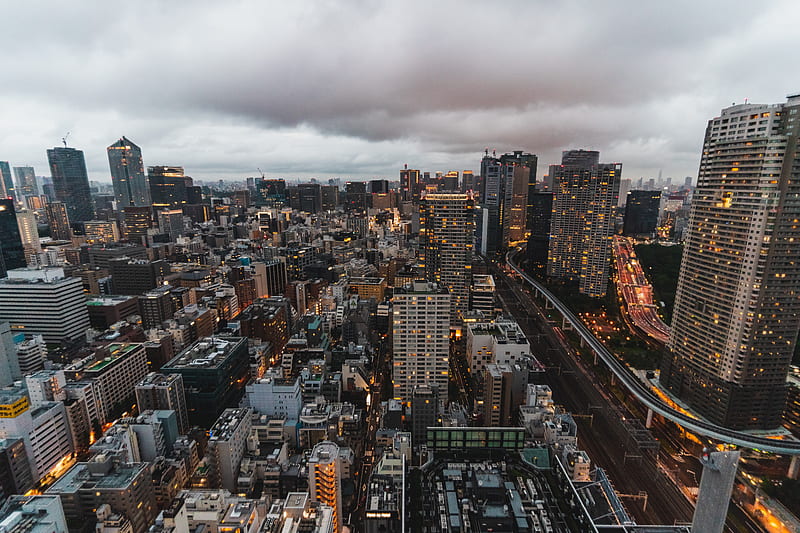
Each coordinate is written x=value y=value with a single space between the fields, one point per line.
x=645 y=395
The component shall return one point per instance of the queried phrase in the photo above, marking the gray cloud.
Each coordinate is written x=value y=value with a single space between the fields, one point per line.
x=356 y=89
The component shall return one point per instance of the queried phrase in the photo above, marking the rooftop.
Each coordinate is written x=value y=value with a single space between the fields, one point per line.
x=209 y=352
x=227 y=423
x=80 y=476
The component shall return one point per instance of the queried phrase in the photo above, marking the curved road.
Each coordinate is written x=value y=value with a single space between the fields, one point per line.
x=648 y=397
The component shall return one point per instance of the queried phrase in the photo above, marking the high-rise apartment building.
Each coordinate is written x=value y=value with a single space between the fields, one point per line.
x=12 y=252
x=641 y=213
x=58 y=220
x=6 y=181
x=583 y=220
x=421 y=337
x=325 y=479
x=447 y=237
x=227 y=443
x=71 y=182
x=28 y=232
x=527 y=184
x=44 y=302
x=127 y=174
x=26 y=182
x=737 y=310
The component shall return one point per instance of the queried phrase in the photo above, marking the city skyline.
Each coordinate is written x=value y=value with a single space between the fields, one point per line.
x=342 y=112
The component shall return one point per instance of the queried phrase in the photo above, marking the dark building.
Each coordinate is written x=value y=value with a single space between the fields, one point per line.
x=410 y=185
x=271 y=192
x=106 y=311
x=71 y=182
x=137 y=276
x=275 y=277
x=310 y=197
x=356 y=192
x=379 y=186
x=15 y=470
x=266 y=321
x=530 y=161
x=168 y=186
x=214 y=371
x=58 y=220
x=540 y=210
x=330 y=197
x=137 y=221
x=26 y=182
x=12 y=253
x=127 y=174
x=424 y=412
x=641 y=213
x=101 y=256
x=6 y=181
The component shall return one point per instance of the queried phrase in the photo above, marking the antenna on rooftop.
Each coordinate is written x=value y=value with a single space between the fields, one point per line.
x=64 y=139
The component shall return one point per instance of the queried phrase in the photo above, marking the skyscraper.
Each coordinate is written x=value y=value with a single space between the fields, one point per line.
x=127 y=174
x=421 y=337
x=583 y=223
x=12 y=253
x=28 y=232
x=137 y=221
x=529 y=162
x=58 y=220
x=6 y=181
x=26 y=181
x=168 y=186
x=447 y=236
x=71 y=182
x=737 y=309
x=641 y=213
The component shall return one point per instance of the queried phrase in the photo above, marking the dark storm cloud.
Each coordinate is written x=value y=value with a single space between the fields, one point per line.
x=359 y=88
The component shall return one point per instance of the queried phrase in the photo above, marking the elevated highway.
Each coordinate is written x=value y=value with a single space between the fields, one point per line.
x=644 y=394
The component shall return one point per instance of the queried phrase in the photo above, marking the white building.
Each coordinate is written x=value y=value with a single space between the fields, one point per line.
x=31 y=354
x=275 y=396
x=44 y=429
x=227 y=443
x=34 y=514
x=500 y=341
x=44 y=302
x=421 y=338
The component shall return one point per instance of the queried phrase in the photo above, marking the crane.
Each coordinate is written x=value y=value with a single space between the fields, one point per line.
x=262 y=173
x=64 y=139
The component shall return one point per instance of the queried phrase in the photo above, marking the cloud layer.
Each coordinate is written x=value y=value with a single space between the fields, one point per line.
x=358 y=88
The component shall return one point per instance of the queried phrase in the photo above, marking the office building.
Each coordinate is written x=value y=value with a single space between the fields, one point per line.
x=504 y=388
x=716 y=487
x=58 y=220
x=127 y=174
x=107 y=310
x=31 y=352
x=227 y=443
x=44 y=429
x=325 y=479
x=582 y=226
x=497 y=187
x=101 y=231
x=33 y=514
x=214 y=371
x=447 y=240
x=410 y=185
x=275 y=396
x=498 y=341
x=126 y=487
x=137 y=221
x=170 y=222
x=736 y=318
x=168 y=186
x=12 y=252
x=6 y=181
x=421 y=338
x=9 y=358
x=71 y=182
x=28 y=232
x=482 y=295
x=136 y=276
x=641 y=213
x=540 y=211
x=424 y=411
x=164 y=392
x=26 y=182
x=44 y=302
x=115 y=373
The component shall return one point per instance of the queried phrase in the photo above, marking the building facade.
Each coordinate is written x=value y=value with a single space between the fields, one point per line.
x=737 y=306
x=127 y=174
x=71 y=182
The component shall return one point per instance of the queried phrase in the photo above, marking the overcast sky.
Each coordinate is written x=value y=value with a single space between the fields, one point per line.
x=356 y=89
